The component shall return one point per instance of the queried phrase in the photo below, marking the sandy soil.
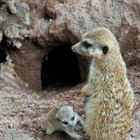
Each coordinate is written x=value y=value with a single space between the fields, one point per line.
x=22 y=111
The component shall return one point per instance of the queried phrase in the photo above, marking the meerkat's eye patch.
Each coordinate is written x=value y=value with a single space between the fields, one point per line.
x=86 y=44
x=105 y=49
x=72 y=119
x=66 y=123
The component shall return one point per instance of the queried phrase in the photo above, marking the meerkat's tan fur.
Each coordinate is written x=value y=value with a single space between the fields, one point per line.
x=111 y=99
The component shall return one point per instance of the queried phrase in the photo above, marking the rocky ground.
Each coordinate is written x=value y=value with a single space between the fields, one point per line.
x=22 y=111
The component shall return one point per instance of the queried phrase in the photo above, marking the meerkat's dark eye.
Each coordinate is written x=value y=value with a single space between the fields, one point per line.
x=105 y=49
x=66 y=123
x=86 y=44
x=58 y=119
x=72 y=119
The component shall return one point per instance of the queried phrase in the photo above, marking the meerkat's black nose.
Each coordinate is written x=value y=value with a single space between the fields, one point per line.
x=73 y=48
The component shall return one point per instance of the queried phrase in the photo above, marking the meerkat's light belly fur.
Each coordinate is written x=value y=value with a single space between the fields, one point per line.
x=109 y=108
x=106 y=118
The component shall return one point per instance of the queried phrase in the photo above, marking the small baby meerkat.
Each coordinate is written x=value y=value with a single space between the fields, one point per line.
x=63 y=119
x=110 y=97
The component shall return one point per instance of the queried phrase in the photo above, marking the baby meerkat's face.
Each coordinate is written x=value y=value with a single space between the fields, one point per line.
x=89 y=47
x=66 y=116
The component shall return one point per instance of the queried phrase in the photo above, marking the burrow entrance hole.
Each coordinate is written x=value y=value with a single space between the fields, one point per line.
x=60 y=68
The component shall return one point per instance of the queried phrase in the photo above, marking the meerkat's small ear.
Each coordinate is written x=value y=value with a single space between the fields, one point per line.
x=105 y=49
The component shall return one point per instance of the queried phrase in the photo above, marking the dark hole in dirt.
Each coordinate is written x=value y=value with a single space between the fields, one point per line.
x=3 y=56
x=60 y=68
x=7 y=44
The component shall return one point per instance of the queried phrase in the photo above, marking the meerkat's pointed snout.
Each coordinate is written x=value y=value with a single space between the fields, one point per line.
x=75 y=47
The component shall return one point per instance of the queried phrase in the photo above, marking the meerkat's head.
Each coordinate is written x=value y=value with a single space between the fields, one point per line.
x=66 y=116
x=97 y=43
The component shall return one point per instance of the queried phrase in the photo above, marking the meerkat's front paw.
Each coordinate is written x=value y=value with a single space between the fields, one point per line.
x=83 y=91
x=86 y=91
x=49 y=131
x=79 y=137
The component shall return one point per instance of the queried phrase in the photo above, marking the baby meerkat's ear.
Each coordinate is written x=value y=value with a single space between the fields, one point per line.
x=105 y=49
x=57 y=117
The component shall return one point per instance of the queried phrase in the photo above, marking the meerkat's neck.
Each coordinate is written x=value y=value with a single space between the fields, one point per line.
x=112 y=63
x=110 y=70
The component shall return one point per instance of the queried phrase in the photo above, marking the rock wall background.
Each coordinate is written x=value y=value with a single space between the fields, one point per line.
x=30 y=29
x=39 y=26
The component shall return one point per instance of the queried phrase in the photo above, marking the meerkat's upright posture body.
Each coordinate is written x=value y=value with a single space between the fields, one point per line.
x=63 y=119
x=111 y=99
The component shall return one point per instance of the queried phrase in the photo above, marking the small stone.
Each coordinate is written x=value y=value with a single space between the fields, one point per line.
x=11 y=30
x=23 y=11
x=11 y=7
x=17 y=44
x=15 y=31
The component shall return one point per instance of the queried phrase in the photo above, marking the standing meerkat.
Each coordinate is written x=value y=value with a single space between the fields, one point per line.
x=63 y=119
x=111 y=99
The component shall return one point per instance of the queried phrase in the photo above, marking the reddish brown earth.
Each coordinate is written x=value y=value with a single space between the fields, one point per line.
x=22 y=111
